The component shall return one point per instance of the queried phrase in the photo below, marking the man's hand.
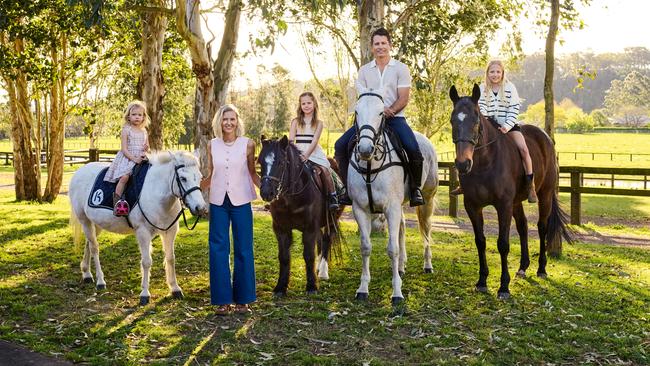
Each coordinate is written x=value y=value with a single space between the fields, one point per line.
x=389 y=112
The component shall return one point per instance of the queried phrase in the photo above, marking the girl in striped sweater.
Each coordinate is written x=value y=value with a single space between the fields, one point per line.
x=499 y=102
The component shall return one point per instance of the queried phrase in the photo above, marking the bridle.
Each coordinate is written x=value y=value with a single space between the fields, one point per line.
x=375 y=134
x=476 y=137
x=182 y=195
x=283 y=189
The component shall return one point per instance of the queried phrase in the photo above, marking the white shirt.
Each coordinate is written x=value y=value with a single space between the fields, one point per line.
x=396 y=75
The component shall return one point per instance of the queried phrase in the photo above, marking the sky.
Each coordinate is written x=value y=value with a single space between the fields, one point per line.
x=610 y=26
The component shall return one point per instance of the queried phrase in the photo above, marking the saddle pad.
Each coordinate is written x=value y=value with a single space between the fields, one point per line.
x=101 y=196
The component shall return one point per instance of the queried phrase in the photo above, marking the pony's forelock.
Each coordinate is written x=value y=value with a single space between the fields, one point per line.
x=183 y=157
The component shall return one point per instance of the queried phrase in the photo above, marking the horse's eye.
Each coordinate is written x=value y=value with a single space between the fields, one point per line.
x=183 y=179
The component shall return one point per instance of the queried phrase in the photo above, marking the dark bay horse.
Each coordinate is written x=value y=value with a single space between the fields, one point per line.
x=297 y=202
x=492 y=173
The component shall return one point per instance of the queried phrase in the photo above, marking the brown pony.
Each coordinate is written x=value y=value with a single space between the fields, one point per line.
x=297 y=202
x=492 y=173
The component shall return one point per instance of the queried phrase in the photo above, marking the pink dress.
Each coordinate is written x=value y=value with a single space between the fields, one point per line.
x=135 y=141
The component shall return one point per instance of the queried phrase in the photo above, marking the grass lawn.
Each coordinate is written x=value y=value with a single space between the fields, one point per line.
x=593 y=308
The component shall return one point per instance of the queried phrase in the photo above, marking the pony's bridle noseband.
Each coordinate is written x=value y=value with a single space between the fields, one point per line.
x=278 y=180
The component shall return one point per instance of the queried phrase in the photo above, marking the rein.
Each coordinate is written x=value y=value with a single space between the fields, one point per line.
x=183 y=193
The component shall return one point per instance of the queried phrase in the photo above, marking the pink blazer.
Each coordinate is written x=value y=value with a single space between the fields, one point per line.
x=230 y=173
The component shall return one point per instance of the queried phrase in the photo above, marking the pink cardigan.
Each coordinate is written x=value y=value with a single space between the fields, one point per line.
x=230 y=173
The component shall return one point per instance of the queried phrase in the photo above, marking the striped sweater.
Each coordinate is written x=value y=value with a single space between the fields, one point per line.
x=504 y=108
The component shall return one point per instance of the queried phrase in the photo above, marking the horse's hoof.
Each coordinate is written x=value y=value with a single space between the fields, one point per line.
x=401 y=274
x=88 y=280
x=542 y=275
x=395 y=300
x=279 y=294
x=324 y=278
x=362 y=296
x=144 y=300
x=101 y=287
x=312 y=292
x=503 y=295
x=521 y=273
x=428 y=270
x=482 y=289
x=178 y=294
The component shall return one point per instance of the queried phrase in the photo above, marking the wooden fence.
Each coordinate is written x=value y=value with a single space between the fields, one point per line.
x=576 y=180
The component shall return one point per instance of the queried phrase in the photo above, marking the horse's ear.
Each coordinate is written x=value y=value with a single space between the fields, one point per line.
x=263 y=140
x=360 y=88
x=453 y=94
x=284 y=142
x=476 y=93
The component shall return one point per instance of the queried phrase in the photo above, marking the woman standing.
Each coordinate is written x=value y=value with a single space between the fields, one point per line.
x=230 y=180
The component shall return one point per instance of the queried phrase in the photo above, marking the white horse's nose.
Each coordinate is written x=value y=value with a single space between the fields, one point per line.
x=366 y=148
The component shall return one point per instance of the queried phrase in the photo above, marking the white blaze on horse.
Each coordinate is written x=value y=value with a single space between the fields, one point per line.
x=172 y=178
x=389 y=191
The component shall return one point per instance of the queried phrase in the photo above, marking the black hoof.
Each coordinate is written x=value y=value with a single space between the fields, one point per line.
x=312 y=292
x=401 y=274
x=542 y=275
x=362 y=296
x=482 y=289
x=503 y=295
x=428 y=270
x=177 y=294
x=88 y=280
x=144 y=300
x=521 y=274
x=279 y=294
x=101 y=287
x=396 y=301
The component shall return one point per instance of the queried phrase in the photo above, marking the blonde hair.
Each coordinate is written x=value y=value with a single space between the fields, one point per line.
x=216 y=122
x=300 y=115
x=137 y=104
x=488 y=84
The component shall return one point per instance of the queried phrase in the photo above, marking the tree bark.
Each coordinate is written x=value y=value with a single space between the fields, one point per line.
x=549 y=108
x=56 y=126
x=227 y=51
x=371 y=17
x=151 y=86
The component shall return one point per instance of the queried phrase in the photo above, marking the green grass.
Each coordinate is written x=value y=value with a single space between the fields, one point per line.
x=591 y=310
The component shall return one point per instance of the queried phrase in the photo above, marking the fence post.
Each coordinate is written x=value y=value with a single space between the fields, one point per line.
x=453 y=200
x=576 y=178
x=93 y=154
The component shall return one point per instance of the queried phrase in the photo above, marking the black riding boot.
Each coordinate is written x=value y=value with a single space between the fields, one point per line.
x=415 y=196
x=343 y=162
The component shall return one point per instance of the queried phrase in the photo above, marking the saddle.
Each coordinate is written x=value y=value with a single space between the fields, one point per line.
x=101 y=195
x=317 y=176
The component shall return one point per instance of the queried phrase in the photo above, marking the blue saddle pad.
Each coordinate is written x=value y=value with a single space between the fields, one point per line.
x=101 y=196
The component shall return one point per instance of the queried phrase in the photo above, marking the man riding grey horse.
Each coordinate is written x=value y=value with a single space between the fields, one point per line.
x=393 y=77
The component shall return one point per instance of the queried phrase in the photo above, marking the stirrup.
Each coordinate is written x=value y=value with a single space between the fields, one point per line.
x=345 y=200
x=333 y=201
x=121 y=208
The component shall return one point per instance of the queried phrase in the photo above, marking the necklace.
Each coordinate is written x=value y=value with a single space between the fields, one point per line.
x=230 y=143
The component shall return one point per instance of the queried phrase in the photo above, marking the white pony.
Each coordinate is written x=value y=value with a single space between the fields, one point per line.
x=172 y=177
x=389 y=191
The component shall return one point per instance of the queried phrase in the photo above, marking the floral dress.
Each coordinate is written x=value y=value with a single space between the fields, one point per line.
x=136 y=139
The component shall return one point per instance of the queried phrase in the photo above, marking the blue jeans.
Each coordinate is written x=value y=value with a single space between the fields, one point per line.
x=398 y=125
x=241 y=290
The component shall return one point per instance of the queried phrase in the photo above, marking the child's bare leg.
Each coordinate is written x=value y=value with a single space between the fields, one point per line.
x=119 y=189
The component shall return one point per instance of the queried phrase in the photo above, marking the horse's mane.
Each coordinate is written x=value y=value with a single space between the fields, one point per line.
x=164 y=157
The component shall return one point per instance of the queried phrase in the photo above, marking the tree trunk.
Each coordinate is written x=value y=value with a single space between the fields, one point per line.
x=223 y=65
x=16 y=136
x=56 y=126
x=549 y=122
x=151 y=87
x=188 y=21
x=371 y=17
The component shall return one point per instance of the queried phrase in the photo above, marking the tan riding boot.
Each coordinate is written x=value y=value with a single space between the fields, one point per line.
x=532 y=195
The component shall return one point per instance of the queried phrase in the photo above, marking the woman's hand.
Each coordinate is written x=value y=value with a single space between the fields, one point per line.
x=205 y=184
x=503 y=130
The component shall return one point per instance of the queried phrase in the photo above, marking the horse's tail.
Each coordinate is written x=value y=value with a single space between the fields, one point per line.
x=334 y=236
x=77 y=232
x=557 y=228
